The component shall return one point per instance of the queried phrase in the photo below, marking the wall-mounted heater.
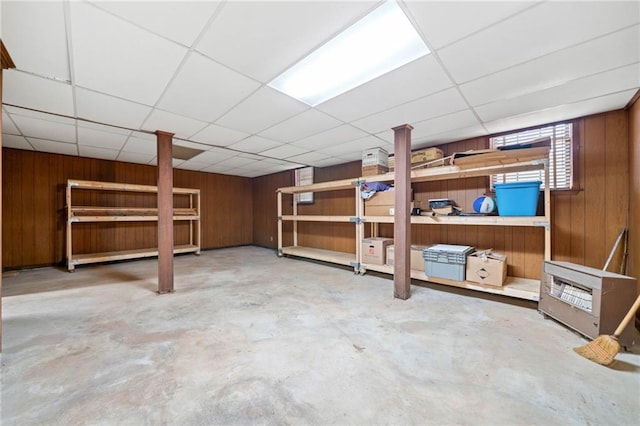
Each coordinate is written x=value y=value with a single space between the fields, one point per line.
x=588 y=300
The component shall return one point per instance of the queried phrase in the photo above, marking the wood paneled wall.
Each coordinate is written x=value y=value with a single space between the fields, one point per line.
x=34 y=207
x=634 y=189
x=586 y=222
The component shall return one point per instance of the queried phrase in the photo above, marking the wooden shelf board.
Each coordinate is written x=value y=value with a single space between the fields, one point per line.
x=318 y=187
x=112 y=186
x=79 y=259
x=78 y=219
x=125 y=211
x=317 y=218
x=521 y=288
x=540 y=221
x=338 y=257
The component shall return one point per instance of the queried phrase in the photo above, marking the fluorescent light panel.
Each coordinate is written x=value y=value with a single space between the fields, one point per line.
x=378 y=43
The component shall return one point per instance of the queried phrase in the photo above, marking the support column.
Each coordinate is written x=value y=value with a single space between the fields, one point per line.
x=402 y=216
x=165 y=212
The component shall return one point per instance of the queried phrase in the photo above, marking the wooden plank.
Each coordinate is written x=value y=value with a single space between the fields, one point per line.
x=83 y=259
x=616 y=182
x=577 y=230
x=331 y=256
x=595 y=191
x=129 y=187
x=521 y=288
x=402 y=222
x=317 y=218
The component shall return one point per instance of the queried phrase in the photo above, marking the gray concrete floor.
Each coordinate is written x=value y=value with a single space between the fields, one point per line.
x=249 y=338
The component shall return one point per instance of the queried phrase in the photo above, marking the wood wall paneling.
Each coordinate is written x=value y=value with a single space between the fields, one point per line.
x=634 y=188
x=34 y=201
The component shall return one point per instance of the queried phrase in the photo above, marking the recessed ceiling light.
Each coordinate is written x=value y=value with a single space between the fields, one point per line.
x=380 y=42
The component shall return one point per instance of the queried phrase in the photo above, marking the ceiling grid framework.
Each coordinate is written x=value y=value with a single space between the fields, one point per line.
x=201 y=70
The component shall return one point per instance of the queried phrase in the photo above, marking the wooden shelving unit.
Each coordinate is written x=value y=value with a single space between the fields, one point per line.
x=525 y=159
x=95 y=214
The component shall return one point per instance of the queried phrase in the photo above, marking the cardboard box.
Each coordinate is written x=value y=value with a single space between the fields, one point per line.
x=427 y=154
x=489 y=269
x=374 y=157
x=381 y=204
x=374 y=250
x=417 y=261
x=421 y=156
x=374 y=170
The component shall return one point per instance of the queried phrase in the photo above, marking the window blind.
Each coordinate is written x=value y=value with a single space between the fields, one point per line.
x=560 y=155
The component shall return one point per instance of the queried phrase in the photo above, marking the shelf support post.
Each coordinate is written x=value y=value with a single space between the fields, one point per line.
x=165 y=212
x=402 y=215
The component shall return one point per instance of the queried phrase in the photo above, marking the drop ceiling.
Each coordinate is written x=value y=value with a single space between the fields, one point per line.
x=92 y=79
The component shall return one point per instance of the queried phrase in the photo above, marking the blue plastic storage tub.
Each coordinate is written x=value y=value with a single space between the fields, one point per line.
x=518 y=198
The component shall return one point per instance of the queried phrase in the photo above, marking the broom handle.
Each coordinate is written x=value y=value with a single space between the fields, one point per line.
x=627 y=319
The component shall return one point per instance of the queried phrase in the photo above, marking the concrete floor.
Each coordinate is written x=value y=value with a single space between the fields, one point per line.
x=249 y=338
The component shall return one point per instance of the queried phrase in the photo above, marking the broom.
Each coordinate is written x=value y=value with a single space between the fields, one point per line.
x=603 y=349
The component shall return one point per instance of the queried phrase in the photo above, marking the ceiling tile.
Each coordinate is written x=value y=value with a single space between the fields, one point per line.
x=193 y=165
x=175 y=162
x=301 y=126
x=605 y=53
x=593 y=86
x=331 y=137
x=7 y=125
x=435 y=18
x=423 y=130
x=457 y=135
x=100 y=139
x=255 y=144
x=35 y=35
x=310 y=158
x=284 y=151
x=189 y=144
x=432 y=106
x=110 y=110
x=44 y=145
x=561 y=112
x=104 y=128
x=27 y=90
x=540 y=30
x=182 y=127
x=15 y=141
x=205 y=90
x=269 y=37
x=216 y=168
x=45 y=129
x=235 y=162
x=142 y=69
x=330 y=161
x=180 y=21
x=94 y=152
x=140 y=146
x=214 y=155
x=357 y=145
x=389 y=90
x=21 y=112
x=217 y=135
x=262 y=109
x=135 y=157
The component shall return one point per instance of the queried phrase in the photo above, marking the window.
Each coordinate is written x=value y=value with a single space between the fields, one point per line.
x=560 y=155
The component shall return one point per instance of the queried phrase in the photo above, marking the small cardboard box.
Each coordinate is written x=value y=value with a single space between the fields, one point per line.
x=374 y=170
x=417 y=262
x=381 y=204
x=374 y=250
x=486 y=267
x=374 y=157
x=427 y=154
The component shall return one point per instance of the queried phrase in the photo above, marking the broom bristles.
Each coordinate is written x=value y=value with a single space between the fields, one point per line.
x=603 y=350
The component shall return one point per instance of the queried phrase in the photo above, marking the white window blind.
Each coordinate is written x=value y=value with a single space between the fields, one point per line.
x=560 y=155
